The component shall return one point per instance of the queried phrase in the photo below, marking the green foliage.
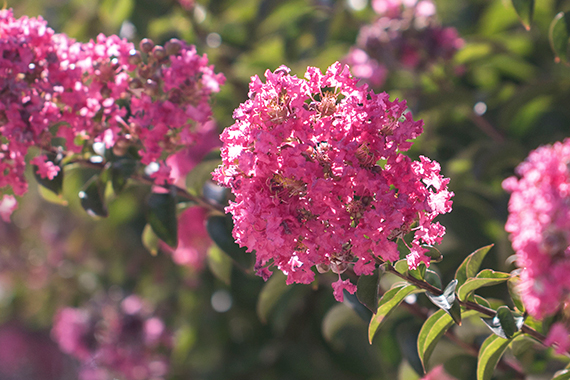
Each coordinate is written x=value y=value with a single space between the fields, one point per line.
x=161 y=215
x=367 y=290
x=487 y=277
x=447 y=301
x=490 y=353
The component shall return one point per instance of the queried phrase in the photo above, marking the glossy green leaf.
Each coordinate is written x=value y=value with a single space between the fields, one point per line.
x=432 y=331
x=525 y=10
x=271 y=294
x=121 y=171
x=220 y=230
x=447 y=301
x=388 y=303
x=514 y=291
x=220 y=264
x=56 y=184
x=471 y=264
x=563 y=374
x=490 y=353
x=367 y=290
x=150 y=240
x=161 y=216
x=559 y=34
x=92 y=198
x=504 y=323
x=487 y=277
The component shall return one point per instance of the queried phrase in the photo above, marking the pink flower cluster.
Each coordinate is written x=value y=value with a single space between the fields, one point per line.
x=406 y=34
x=539 y=226
x=110 y=340
x=319 y=178
x=101 y=91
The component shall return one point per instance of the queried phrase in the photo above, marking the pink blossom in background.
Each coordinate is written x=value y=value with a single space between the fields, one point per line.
x=193 y=239
x=539 y=227
x=112 y=339
x=48 y=79
x=559 y=336
x=406 y=35
x=7 y=206
x=438 y=373
x=303 y=162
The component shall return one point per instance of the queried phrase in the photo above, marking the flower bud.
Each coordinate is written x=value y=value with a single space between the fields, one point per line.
x=173 y=46
x=323 y=268
x=158 y=53
x=135 y=57
x=146 y=45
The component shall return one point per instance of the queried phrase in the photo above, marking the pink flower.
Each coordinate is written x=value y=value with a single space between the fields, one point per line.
x=303 y=160
x=339 y=286
x=438 y=373
x=193 y=239
x=46 y=169
x=7 y=207
x=559 y=337
x=539 y=227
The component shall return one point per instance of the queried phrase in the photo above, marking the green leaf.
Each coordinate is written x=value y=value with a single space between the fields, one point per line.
x=161 y=216
x=482 y=301
x=471 y=264
x=337 y=318
x=150 y=240
x=418 y=273
x=271 y=294
x=220 y=264
x=514 y=291
x=220 y=230
x=388 y=303
x=486 y=277
x=504 y=323
x=121 y=171
x=92 y=198
x=559 y=34
x=56 y=184
x=489 y=355
x=447 y=301
x=367 y=290
x=525 y=10
x=432 y=331
x=432 y=278
x=563 y=374
x=401 y=266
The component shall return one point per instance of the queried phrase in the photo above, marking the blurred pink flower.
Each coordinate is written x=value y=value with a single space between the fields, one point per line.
x=438 y=373
x=558 y=336
x=7 y=206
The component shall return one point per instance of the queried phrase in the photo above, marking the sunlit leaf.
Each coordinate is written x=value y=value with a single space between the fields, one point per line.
x=563 y=374
x=487 y=277
x=559 y=34
x=432 y=331
x=525 y=10
x=471 y=264
x=504 y=323
x=514 y=291
x=150 y=240
x=388 y=303
x=447 y=301
x=490 y=353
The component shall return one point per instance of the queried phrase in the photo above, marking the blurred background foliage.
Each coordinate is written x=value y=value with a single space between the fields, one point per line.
x=505 y=97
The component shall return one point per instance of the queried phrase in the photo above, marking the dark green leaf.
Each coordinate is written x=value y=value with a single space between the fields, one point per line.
x=220 y=230
x=121 y=171
x=432 y=331
x=504 y=323
x=352 y=301
x=525 y=10
x=447 y=301
x=489 y=355
x=418 y=273
x=471 y=264
x=367 y=290
x=559 y=34
x=486 y=277
x=388 y=303
x=514 y=291
x=161 y=216
x=482 y=301
x=56 y=184
x=92 y=197
x=270 y=295
x=432 y=278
